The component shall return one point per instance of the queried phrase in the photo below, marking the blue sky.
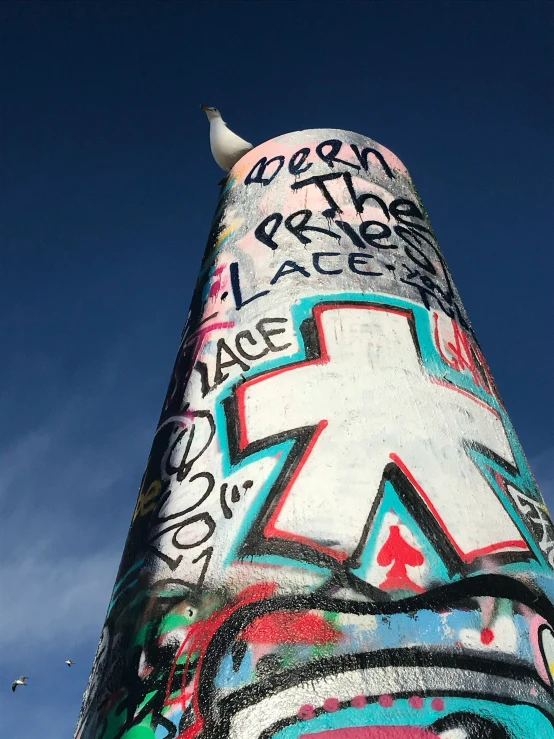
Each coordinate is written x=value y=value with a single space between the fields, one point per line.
x=108 y=188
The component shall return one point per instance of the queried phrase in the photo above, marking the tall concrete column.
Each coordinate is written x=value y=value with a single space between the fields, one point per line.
x=337 y=533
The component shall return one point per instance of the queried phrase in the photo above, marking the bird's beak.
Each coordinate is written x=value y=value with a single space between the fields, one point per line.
x=204 y=107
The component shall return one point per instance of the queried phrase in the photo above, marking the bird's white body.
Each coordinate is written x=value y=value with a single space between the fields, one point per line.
x=69 y=662
x=227 y=148
x=18 y=682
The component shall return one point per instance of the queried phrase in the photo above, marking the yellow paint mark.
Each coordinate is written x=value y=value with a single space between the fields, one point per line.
x=147 y=499
x=227 y=232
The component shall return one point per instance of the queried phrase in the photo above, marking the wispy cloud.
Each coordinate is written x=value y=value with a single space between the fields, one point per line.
x=67 y=494
x=54 y=601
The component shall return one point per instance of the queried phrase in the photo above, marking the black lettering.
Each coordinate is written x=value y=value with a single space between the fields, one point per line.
x=298 y=229
x=210 y=484
x=287 y=270
x=316 y=256
x=267 y=333
x=202 y=370
x=359 y=200
x=351 y=232
x=185 y=465
x=355 y=259
x=170 y=561
x=429 y=288
x=252 y=341
x=402 y=208
x=297 y=160
x=318 y=181
x=265 y=236
x=408 y=235
x=257 y=172
x=227 y=512
x=206 y=519
x=219 y=377
x=207 y=553
x=237 y=292
x=373 y=239
x=331 y=158
x=363 y=157
x=209 y=487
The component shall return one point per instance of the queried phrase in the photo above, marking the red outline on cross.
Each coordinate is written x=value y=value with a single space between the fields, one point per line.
x=270 y=530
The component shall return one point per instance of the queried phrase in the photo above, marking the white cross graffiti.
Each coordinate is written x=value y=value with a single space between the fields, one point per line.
x=371 y=401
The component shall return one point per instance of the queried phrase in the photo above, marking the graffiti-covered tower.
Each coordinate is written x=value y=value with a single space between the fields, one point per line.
x=337 y=533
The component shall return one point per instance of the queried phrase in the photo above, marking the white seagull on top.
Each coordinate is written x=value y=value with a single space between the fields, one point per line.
x=227 y=148
x=69 y=662
x=19 y=681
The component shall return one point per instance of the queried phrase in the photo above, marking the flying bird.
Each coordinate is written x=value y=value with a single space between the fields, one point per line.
x=19 y=681
x=69 y=662
x=227 y=148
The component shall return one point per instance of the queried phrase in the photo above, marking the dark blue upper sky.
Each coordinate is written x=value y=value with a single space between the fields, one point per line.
x=107 y=190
